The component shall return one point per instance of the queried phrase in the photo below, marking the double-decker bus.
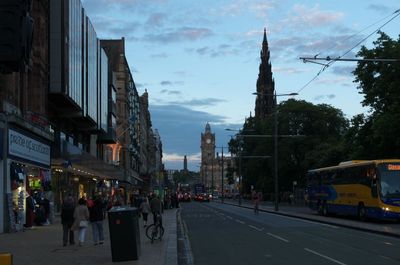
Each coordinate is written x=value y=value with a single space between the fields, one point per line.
x=367 y=189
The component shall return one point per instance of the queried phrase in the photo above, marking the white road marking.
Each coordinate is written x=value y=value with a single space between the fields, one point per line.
x=239 y=221
x=323 y=256
x=310 y=222
x=278 y=237
x=229 y=217
x=256 y=228
x=388 y=243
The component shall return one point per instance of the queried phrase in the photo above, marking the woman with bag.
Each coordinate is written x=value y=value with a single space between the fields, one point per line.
x=145 y=209
x=81 y=218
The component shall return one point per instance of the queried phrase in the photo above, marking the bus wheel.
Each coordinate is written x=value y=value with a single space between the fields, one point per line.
x=362 y=214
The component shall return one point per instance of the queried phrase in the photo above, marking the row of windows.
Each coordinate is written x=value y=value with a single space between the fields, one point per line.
x=352 y=175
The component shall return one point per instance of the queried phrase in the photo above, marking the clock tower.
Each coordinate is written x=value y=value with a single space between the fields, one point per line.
x=207 y=155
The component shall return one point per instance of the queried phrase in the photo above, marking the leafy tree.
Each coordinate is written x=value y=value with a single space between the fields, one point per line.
x=380 y=83
x=320 y=131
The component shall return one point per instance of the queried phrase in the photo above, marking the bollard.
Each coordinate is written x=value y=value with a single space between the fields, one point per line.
x=5 y=258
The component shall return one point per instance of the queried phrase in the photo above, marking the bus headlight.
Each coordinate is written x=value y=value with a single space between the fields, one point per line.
x=385 y=208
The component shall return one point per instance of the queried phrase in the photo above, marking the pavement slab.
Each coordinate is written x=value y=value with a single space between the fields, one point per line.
x=42 y=245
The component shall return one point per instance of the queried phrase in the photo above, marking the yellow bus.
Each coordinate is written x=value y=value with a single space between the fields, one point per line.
x=367 y=189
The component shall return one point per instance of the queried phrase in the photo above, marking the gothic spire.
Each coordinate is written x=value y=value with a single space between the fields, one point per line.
x=265 y=83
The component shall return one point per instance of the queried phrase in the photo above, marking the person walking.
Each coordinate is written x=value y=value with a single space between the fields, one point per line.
x=81 y=217
x=67 y=219
x=145 y=210
x=96 y=218
x=256 y=200
x=156 y=207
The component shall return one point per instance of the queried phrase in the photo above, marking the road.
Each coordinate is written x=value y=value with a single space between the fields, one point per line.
x=225 y=234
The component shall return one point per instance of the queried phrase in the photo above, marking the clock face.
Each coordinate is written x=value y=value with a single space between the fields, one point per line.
x=208 y=140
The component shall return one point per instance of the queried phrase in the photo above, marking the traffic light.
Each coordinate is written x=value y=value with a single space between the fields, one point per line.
x=16 y=31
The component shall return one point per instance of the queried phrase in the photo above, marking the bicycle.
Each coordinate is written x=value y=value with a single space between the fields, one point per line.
x=155 y=231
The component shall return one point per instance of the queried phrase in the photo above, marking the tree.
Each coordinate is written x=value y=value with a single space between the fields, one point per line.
x=321 y=143
x=380 y=83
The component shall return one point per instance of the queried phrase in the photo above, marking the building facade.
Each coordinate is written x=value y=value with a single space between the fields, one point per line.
x=216 y=164
x=70 y=118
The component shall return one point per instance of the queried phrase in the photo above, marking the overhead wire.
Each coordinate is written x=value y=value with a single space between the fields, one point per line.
x=332 y=61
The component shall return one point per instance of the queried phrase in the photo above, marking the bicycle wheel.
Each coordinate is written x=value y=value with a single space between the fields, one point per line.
x=149 y=231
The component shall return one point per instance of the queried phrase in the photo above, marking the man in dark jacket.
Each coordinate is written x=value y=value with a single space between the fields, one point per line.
x=67 y=219
x=96 y=216
x=156 y=208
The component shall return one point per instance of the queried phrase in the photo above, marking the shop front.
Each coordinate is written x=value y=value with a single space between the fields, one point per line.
x=83 y=175
x=78 y=182
x=29 y=199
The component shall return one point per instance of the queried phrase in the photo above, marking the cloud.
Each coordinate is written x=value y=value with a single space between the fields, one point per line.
x=171 y=92
x=317 y=44
x=170 y=83
x=199 y=102
x=180 y=129
x=180 y=34
x=180 y=73
x=301 y=17
x=166 y=83
x=335 y=81
x=322 y=97
x=289 y=70
x=220 y=50
x=156 y=20
x=380 y=8
x=159 y=55
x=343 y=70
x=259 y=8
x=110 y=27
x=105 y=6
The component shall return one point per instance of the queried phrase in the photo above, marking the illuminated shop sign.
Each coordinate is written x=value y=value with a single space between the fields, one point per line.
x=27 y=148
x=393 y=167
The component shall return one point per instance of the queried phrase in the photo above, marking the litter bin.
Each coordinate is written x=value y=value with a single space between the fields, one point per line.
x=124 y=233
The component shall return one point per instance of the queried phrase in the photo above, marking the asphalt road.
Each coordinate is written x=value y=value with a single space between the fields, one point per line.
x=225 y=234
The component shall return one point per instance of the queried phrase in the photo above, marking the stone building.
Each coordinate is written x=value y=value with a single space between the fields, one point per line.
x=265 y=101
x=70 y=118
x=215 y=162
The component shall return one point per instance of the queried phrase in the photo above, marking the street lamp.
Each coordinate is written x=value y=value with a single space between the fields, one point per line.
x=275 y=141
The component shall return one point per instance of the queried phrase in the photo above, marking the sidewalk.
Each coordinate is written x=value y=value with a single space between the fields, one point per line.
x=43 y=246
x=381 y=227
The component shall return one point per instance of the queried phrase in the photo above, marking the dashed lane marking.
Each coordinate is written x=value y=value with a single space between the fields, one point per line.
x=256 y=228
x=239 y=221
x=229 y=217
x=278 y=237
x=324 y=256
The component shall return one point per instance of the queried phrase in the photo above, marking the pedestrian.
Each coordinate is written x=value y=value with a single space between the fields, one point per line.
x=67 y=219
x=81 y=218
x=145 y=210
x=30 y=209
x=156 y=207
x=96 y=217
x=256 y=200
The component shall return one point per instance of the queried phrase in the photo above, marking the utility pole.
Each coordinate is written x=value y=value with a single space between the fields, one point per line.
x=222 y=174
